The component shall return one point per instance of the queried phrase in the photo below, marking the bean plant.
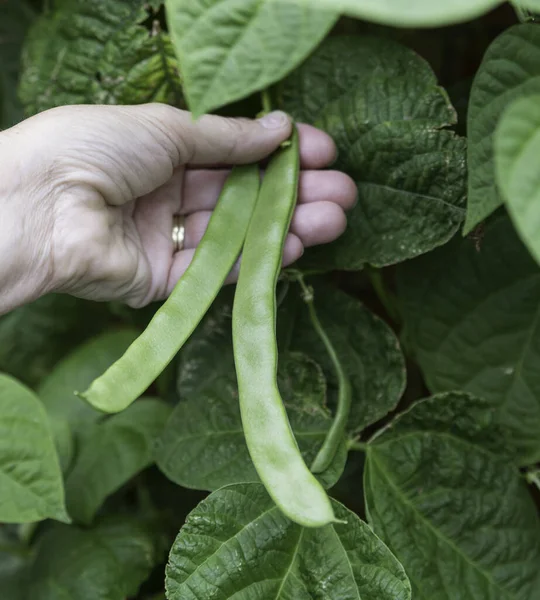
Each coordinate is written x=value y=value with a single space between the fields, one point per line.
x=408 y=351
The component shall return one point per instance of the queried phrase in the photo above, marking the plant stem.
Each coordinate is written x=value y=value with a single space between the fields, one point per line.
x=387 y=299
x=357 y=446
x=523 y=14
x=266 y=101
x=335 y=434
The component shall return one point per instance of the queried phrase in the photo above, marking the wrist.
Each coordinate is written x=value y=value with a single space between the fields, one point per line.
x=23 y=251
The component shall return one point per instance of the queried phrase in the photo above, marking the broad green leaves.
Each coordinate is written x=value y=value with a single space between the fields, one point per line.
x=459 y=518
x=111 y=453
x=237 y=544
x=75 y=373
x=31 y=487
x=381 y=104
x=34 y=337
x=517 y=153
x=472 y=321
x=203 y=445
x=98 y=52
x=413 y=13
x=231 y=48
x=510 y=70
x=367 y=348
x=108 y=562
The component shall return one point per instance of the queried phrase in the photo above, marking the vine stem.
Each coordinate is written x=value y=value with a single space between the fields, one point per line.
x=266 y=101
x=523 y=14
x=387 y=299
x=357 y=446
x=328 y=450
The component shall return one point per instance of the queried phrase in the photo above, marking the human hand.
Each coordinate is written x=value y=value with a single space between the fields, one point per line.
x=91 y=192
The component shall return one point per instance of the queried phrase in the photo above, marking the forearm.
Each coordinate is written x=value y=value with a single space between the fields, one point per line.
x=23 y=272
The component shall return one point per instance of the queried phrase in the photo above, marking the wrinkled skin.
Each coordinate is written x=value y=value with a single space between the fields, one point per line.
x=88 y=195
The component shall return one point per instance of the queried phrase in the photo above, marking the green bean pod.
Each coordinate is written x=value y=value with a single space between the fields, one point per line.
x=269 y=437
x=130 y=376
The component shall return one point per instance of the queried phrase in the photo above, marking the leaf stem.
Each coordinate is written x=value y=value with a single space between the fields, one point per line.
x=266 y=99
x=356 y=446
x=335 y=434
x=388 y=300
x=523 y=14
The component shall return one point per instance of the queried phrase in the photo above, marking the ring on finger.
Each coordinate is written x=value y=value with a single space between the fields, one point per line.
x=178 y=232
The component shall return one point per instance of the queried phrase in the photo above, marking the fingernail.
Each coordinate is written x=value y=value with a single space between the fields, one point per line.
x=275 y=120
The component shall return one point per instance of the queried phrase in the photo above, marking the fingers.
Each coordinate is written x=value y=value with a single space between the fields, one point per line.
x=203 y=187
x=313 y=223
x=292 y=251
x=213 y=139
x=317 y=149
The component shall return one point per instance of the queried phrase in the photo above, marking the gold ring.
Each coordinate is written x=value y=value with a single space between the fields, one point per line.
x=178 y=232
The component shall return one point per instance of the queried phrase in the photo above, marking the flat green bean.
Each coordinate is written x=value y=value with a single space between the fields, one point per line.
x=129 y=377
x=269 y=437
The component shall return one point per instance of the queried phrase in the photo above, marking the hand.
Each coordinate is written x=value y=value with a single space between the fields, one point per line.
x=94 y=189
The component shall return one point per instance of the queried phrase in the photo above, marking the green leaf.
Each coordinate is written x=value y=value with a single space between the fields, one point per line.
x=366 y=346
x=413 y=13
x=472 y=321
x=468 y=417
x=34 y=337
x=31 y=487
x=98 y=52
x=15 y=19
x=111 y=453
x=76 y=371
x=381 y=103
x=107 y=562
x=510 y=70
x=203 y=445
x=459 y=517
x=237 y=544
x=63 y=441
x=231 y=48
x=517 y=147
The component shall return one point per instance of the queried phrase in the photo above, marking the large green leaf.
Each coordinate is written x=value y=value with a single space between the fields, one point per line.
x=111 y=453
x=107 y=562
x=510 y=69
x=31 y=487
x=15 y=18
x=517 y=151
x=366 y=346
x=231 y=48
x=237 y=544
x=413 y=13
x=459 y=518
x=98 y=52
x=381 y=104
x=472 y=321
x=203 y=445
x=34 y=337
x=77 y=371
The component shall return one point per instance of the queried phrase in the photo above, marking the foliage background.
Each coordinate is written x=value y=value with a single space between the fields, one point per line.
x=444 y=485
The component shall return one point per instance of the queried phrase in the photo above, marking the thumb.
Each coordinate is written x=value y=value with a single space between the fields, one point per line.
x=219 y=140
